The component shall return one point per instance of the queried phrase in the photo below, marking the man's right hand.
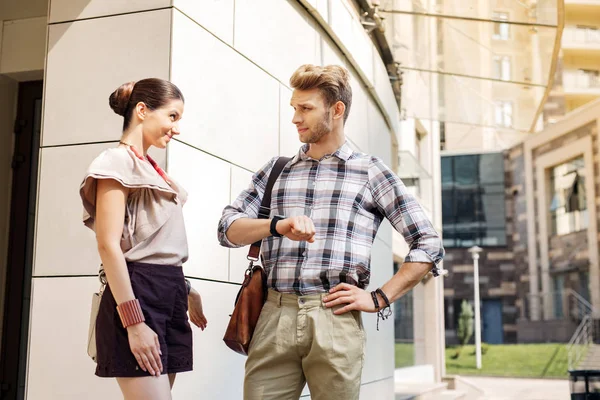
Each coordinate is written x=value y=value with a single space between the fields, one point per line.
x=297 y=228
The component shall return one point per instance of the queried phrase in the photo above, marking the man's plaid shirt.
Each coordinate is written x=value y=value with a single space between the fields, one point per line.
x=347 y=195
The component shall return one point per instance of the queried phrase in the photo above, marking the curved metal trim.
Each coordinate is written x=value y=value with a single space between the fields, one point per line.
x=560 y=19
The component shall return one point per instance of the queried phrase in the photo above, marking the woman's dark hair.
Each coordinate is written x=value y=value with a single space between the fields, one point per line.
x=153 y=92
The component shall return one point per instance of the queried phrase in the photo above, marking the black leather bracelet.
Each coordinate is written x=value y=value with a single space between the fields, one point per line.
x=375 y=301
x=385 y=298
x=273 y=227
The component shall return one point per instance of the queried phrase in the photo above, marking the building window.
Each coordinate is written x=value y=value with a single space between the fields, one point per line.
x=442 y=135
x=588 y=78
x=503 y=113
x=473 y=202
x=568 y=207
x=501 y=29
x=501 y=65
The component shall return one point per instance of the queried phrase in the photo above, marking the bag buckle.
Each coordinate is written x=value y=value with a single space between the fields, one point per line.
x=250 y=268
x=103 y=281
x=102 y=277
x=264 y=212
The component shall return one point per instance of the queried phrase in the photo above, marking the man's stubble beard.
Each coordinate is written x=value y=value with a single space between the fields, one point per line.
x=322 y=129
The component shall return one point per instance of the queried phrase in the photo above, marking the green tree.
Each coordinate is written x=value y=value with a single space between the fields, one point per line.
x=465 y=323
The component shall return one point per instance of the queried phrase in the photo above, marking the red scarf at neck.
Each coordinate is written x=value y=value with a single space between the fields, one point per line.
x=153 y=163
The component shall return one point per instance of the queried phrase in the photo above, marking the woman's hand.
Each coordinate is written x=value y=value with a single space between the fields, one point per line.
x=195 y=309
x=144 y=345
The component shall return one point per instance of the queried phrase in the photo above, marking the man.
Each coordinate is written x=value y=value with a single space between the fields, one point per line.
x=326 y=208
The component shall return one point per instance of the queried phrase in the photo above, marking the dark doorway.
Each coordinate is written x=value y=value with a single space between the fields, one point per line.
x=13 y=358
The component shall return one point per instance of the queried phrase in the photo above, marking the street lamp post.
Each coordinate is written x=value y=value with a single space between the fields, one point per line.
x=475 y=250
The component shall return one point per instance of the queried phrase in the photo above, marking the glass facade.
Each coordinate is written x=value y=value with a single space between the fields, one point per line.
x=473 y=201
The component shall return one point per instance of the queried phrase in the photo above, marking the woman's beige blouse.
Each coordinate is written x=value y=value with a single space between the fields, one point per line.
x=153 y=230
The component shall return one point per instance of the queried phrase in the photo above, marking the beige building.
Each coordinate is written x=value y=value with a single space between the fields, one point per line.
x=59 y=61
x=555 y=186
x=496 y=70
x=577 y=79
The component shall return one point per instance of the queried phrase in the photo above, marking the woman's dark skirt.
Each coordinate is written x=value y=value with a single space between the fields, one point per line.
x=162 y=294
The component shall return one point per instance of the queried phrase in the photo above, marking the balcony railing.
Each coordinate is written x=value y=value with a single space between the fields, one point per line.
x=583 y=2
x=581 y=35
x=581 y=80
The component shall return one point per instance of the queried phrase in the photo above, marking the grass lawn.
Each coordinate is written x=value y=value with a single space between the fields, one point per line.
x=405 y=355
x=512 y=360
x=516 y=360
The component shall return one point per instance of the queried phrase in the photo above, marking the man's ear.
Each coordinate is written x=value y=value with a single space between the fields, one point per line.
x=339 y=108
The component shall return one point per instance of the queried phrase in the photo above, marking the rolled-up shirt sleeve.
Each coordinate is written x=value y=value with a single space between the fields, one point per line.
x=406 y=216
x=246 y=205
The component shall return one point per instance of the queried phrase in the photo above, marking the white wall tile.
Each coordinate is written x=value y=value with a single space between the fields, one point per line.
x=60 y=316
x=353 y=36
x=380 y=139
x=384 y=89
x=357 y=126
x=23 y=45
x=331 y=54
x=232 y=106
x=74 y=250
x=321 y=6
x=11 y=10
x=214 y=15
x=385 y=233
x=379 y=352
x=399 y=245
x=207 y=181
x=378 y=390
x=87 y=61
x=289 y=142
x=218 y=371
x=282 y=27
x=240 y=180
x=70 y=10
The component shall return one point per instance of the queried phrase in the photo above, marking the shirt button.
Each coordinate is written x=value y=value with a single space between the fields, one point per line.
x=304 y=254
x=301 y=301
x=314 y=183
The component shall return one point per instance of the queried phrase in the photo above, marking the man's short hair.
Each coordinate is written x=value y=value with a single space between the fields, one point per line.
x=333 y=81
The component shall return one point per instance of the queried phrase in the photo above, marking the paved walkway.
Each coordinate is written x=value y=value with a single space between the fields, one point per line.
x=522 y=389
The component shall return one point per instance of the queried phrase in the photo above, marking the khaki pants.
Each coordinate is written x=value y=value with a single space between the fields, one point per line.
x=298 y=340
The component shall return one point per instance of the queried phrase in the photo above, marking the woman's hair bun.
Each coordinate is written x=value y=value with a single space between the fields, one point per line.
x=119 y=99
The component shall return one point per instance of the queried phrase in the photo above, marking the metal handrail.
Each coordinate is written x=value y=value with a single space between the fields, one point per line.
x=573 y=304
x=581 y=341
x=581 y=299
x=577 y=333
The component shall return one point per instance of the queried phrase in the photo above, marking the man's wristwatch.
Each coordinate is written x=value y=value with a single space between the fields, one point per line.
x=274 y=226
x=188 y=286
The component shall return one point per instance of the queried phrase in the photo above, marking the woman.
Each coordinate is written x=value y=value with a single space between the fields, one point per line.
x=143 y=337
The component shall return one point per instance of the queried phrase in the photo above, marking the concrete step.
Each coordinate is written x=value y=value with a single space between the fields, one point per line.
x=463 y=385
x=434 y=391
x=592 y=359
x=451 y=395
